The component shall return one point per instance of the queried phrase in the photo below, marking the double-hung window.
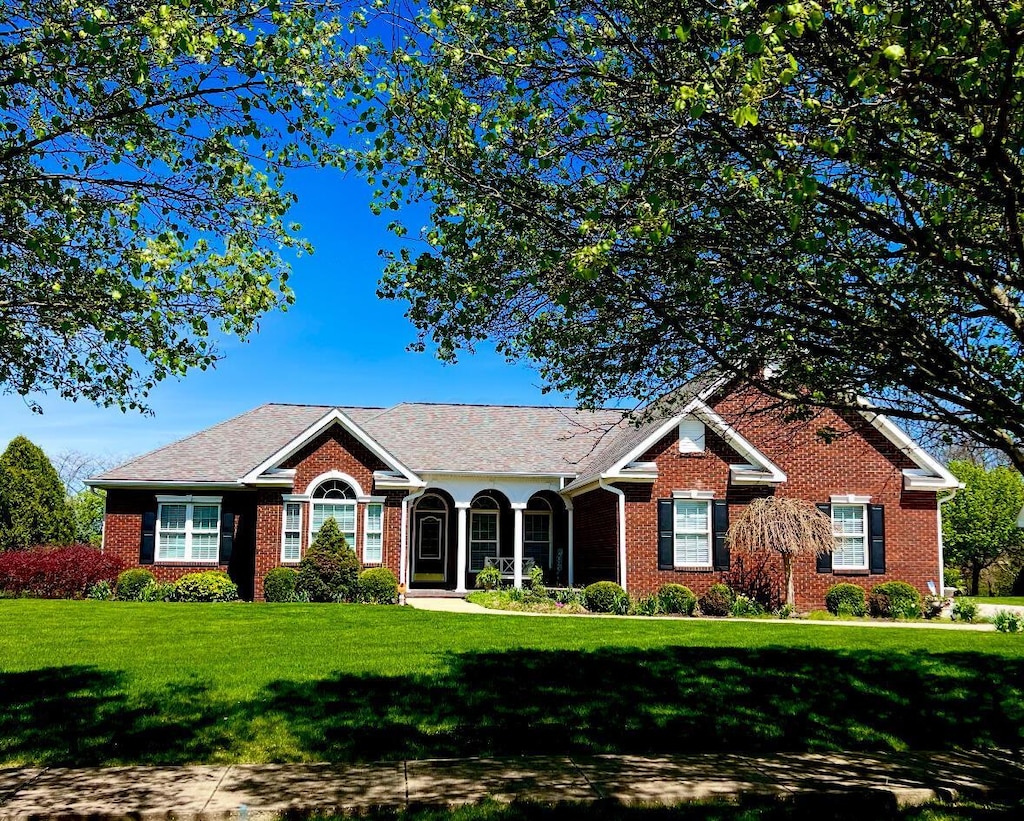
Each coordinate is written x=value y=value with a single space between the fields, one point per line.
x=373 y=534
x=849 y=529
x=483 y=532
x=188 y=530
x=291 y=542
x=692 y=533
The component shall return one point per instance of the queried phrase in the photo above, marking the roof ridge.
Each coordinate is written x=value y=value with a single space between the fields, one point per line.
x=503 y=405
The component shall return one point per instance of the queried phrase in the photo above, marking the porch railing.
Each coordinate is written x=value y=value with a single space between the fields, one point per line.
x=507 y=565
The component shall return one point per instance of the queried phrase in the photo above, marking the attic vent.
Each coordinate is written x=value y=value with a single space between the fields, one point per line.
x=691 y=436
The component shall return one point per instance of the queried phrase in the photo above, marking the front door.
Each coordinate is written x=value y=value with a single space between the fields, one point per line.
x=430 y=553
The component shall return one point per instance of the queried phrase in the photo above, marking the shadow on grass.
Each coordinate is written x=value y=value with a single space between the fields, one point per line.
x=673 y=700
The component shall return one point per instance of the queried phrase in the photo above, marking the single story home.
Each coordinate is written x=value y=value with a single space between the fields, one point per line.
x=437 y=492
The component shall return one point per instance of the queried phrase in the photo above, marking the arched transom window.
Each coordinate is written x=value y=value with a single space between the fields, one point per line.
x=334 y=498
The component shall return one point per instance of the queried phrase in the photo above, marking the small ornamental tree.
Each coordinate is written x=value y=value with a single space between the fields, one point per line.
x=33 y=506
x=329 y=572
x=787 y=527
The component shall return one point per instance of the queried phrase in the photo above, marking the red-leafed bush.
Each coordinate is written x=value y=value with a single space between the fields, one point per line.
x=55 y=573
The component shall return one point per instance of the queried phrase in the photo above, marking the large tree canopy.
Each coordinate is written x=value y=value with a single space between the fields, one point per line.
x=142 y=213
x=631 y=192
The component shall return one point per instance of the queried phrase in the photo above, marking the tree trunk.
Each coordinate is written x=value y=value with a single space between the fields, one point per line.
x=975 y=577
x=787 y=568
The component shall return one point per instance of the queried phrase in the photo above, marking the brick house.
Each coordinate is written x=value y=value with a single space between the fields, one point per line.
x=437 y=492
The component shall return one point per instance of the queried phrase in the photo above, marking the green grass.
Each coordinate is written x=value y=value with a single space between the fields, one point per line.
x=91 y=683
x=1016 y=600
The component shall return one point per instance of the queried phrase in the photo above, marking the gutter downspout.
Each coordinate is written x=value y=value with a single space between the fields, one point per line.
x=403 y=547
x=621 y=529
x=942 y=558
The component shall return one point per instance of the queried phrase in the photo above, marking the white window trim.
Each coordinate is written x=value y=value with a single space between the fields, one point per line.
x=290 y=500
x=694 y=496
x=496 y=512
x=379 y=501
x=863 y=505
x=189 y=501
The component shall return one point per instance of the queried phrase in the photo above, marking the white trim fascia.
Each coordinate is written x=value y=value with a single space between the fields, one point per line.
x=934 y=470
x=696 y=407
x=295 y=497
x=332 y=417
x=497 y=474
x=188 y=498
x=701 y=495
x=849 y=499
x=750 y=475
x=142 y=484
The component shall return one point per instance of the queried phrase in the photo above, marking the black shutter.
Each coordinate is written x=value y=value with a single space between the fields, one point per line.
x=720 y=525
x=666 y=530
x=876 y=538
x=825 y=559
x=147 y=548
x=227 y=536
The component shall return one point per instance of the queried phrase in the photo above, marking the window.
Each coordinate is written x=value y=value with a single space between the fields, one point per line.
x=692 y=533
x=691 y=436
x=373 y=534
x=334 y=499
x=291 y=545
x=188 y=530
x=483 y=532
x=537 y=532
x=849 y=529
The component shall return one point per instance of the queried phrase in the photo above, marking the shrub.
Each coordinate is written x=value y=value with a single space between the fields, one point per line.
x=55 y=573
x=489 y=578
x=964 y=610
x=675 y=598
x=1009 y=621
x=279 y=584
x=845 y=600
x=570 y=596
x=717 y=601
x=537 y=580
x=378 y=585
x=745 y=607
x=895 y=600
x=646 y=606
x=133 y=582
x=207 y=586
x=329 y=572
x=158 y=592
x=101 y=591
x=605 y=597
x=785 y=611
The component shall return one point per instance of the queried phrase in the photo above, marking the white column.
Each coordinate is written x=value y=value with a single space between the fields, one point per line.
x=461 y=550
x=517 y=545
x=571 y=546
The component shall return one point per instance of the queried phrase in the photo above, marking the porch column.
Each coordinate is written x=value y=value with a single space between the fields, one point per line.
x=517 y=544
x=570 y=546
x=460 y=552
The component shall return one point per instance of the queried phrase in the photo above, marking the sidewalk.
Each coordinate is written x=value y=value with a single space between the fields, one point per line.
x=264 y=790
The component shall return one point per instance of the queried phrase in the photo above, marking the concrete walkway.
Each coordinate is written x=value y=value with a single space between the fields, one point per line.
x=262 y=790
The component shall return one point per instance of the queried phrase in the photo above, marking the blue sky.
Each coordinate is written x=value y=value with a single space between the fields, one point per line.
x=339 y=344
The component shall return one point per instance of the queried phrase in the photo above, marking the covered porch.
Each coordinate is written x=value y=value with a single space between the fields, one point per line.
x=457 y=526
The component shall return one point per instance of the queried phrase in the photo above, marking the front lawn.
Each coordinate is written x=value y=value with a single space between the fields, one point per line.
x=1012 y=600
x=87 y=683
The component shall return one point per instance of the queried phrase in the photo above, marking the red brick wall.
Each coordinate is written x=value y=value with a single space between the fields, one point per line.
x=122 y=535
x=260 y=550
x=595 y=537
x=859 y=460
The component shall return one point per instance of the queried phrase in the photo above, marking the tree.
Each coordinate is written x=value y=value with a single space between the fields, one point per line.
x=329 y=572
x=143 y=147
x=88 y=507
x=825 y=199
x=75 y=466
x=979 y=525
x=784 y=527
x=33 y=507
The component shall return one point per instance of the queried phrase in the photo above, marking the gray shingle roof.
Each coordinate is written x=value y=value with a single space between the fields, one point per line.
x=424 y=437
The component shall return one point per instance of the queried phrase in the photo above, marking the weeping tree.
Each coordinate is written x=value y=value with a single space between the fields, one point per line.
x=787 y=527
